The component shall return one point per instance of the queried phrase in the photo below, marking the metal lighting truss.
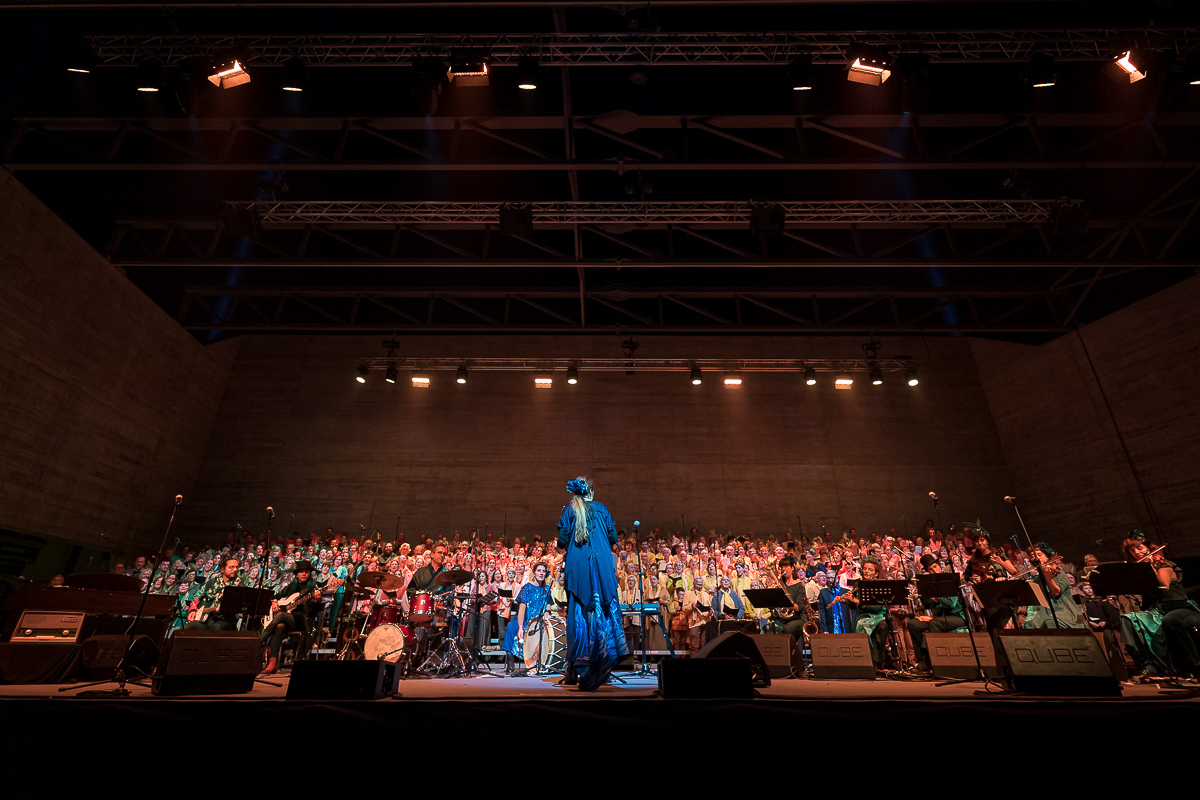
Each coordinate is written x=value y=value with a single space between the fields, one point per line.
x=613 y=49
x=381 y=363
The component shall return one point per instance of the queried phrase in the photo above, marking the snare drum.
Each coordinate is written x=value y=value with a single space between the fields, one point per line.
x=383 y=615
x=386 y=642
x=420 y=608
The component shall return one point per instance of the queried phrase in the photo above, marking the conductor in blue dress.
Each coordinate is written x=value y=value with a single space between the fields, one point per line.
x=595 y=636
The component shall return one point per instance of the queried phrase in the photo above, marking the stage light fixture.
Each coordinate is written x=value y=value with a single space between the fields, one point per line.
x=1130 y=65
x=869 y=65
x=420 y=380
x=543 y=381
x=733 y=380
x=363 y=372
x=295 y=75
x=1039 y=72
x=800 y=73
x=468 y=70
x=910 y=375
x=572 y=374
x=390 y=374
x=843 y=381
x=696 y=379
x=150 y=75
x=527 y=73
x=460 y=375
x=810 y=376
x=876 y=375
x=81 y=58
x=231 y=71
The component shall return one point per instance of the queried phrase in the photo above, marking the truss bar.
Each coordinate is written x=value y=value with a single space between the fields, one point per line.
x=544 y=310
x=403 y=145
x=389 y=307
x=475 y=263
x=274 y=137
x=704 y=126
x=348 y=241
x=649 y=328
x=486 y=131
x=317 y=308
x=545 y=248
x=616 y=137
x=603 y=234
x=663 y=48
x=928 y=229
x=1016 y=123
x=468 y=309
x=1183 y=225
x=737 y=251
x=526 y=295
x=622 y=309
x=453 y=248
x=777 y=310
x=808 y=123
x=833 y=251
x=847 y=314
x=697 y=309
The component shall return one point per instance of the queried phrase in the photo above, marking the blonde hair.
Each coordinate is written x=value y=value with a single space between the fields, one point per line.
x=580 y=509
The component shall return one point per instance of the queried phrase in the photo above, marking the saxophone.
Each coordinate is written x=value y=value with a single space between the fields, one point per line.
x=810 y=625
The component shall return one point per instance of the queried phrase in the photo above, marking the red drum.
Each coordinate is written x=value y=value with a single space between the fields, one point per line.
x=420 y=608
x=383 y=615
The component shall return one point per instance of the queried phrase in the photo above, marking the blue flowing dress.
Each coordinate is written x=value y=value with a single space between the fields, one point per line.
x=535 y=599
x=595 y=636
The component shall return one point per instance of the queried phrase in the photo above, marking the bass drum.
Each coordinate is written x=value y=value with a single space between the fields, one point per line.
x=387 y=641
x=549 y=640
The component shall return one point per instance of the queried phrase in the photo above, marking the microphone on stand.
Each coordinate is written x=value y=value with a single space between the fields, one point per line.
x=1008 y=498
x=178 y=499
x=270 y=512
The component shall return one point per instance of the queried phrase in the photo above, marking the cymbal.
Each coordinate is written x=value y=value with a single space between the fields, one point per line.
x=362 y=591
x=381 y=580
x=453 y=577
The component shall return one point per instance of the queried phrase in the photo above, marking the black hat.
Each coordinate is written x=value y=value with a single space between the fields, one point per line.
x=926 y=560
x=304 y=565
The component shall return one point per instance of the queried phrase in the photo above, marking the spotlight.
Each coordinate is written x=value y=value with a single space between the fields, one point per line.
x=231 y=71
x=81 y=58
x=468 y=69
x=843 y=381
x=800 y=73
x=543 y=381
x=1039 y=72
x=876 y=375
x=696 y=379
x=733 y=379
x=810 y=376
x=461 y=375
x=869 y=65
x=150 y=75
x=572 y=375
x=1130 y=65
x=910 y=375
x=363 y=372
x=390 y=375
x=295 y=75
x=527 y=73
x=420 y=380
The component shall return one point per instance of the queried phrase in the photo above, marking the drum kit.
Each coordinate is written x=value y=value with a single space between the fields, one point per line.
x=428 y=640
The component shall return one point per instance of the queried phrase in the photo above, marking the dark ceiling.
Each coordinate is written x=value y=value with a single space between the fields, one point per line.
x=1069 y=202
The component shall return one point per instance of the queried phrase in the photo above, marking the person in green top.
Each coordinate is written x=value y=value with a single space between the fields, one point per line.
x=1161 y=631
x=872 y=618
x=210 y=599
x=947 y=615
x=1057 y=586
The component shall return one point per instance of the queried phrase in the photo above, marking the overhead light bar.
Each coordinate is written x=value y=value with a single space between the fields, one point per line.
x=843 y=381
x=910 y=375
x=390 y=375
x=460 y=375
x=81 y=58
x=468 y=70
x=528 y=71
x=810 y=376
x=800 y=74
x=876 y=375
x=869 y=65
x=295 y=75
x=363 y=372
x=1039 y=72
x=420 y=380
x=231 y=70
x=150 y=75
x=696 y=378
x=1131 y=64
x=733 y=379
x=572 y=374
x=543 y=382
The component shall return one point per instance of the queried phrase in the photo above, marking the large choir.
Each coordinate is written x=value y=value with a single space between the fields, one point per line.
x=674 y=590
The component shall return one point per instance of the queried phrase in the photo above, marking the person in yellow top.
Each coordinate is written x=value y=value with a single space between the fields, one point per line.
x=740 y=582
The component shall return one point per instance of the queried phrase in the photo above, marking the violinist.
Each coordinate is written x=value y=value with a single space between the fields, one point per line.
x=1001 y=566
x=947 y=615
x=1171 y=613
x=1057 y=586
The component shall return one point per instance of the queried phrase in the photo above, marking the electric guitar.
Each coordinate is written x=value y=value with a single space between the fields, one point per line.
x=296 y=599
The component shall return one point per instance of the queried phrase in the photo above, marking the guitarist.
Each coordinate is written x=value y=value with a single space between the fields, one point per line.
x=206 y=617
x=297 y=617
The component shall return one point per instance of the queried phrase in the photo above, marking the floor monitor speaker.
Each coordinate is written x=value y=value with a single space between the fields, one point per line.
x=842 y=656
x=208 y=662
x=1063 y=662
x=780 y=653
x=738 y=645
x=102 y=654
x=342 y=680
x=951 y=656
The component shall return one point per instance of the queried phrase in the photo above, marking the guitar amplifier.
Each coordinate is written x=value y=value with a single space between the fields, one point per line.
x=70 y=627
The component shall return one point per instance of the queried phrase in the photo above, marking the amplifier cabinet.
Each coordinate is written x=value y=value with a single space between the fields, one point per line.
x=71 y=627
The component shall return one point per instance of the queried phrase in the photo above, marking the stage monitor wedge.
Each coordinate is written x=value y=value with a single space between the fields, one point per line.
x=208 y=662
x=1062 y=663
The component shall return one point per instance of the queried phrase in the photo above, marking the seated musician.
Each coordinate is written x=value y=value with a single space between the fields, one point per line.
x=297 y=618
x=1165 y=622
x=1057 y=586
x=210 y=600
x=531 y=604
x=726 y=603
x=871 y=618
x=947 y=616
x=795 y=587
x=424 y=579
x=1000 y=565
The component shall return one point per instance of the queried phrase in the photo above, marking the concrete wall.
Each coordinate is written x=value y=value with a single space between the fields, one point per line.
x=1075 y=481
x=297 y=432
x=106 y=404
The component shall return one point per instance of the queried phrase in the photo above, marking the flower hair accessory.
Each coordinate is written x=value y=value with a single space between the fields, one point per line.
x=577 y=486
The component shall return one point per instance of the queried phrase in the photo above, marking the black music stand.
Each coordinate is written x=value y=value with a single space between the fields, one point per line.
x=885 y=593
x=254 y=603
x=1119 y=577
x=1010 y=595
x=771 y=598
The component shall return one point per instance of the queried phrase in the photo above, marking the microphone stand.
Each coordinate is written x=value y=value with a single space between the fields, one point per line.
x=119 y=676
x=644 y=667
x=1041 y=574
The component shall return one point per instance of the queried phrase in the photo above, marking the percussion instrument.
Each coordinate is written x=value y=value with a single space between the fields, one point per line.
x=549 y=641
x=383 y=615
x=454 y=577
x=381 y=580
x=386 y=642
x=420 y=608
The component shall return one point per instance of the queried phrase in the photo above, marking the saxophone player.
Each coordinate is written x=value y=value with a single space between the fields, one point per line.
x=794 y=585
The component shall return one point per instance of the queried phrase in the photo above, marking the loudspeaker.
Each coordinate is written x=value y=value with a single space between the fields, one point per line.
x=738 y=645
x=842 y=656
x=342 y=680
x=1065 y=662
x=102 y=654
x=705 y=678
x=208 y=662
x=951 y=656
x=780 y=653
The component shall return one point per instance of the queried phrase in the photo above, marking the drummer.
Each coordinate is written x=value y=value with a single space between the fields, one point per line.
x=425 y=579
